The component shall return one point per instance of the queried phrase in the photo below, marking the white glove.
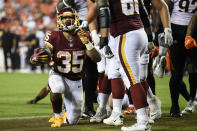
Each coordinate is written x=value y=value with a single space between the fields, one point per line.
x=107 y=52
x=84 y=25
x=95 y=37
x=168 y=37
x=161 y=40
x=150 y=47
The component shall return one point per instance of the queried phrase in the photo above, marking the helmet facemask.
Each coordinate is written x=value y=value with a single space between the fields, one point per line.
x=67 y=20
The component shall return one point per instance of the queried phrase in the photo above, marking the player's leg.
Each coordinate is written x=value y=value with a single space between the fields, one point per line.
x=103 y=98
x=118 y=91
x=57 y=87
x=129 y=57
x=183 y=91
x=153 y=101
x=90 y=80
x=150 y=78
x=42 y=94
x=178 y=58
x=73 y=98
x=192 y=69
x=101 y=68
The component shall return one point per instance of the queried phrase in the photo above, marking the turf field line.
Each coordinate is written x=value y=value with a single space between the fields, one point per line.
x=24 y=117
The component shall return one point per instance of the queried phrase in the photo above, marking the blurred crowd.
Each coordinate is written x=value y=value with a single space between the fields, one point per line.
x=23 y=24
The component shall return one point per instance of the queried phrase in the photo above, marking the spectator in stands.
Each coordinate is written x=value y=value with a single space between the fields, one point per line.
x=32 y=43
x=7 y=40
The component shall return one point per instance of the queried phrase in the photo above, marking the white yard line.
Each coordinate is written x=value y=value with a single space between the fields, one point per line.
x=25 y=117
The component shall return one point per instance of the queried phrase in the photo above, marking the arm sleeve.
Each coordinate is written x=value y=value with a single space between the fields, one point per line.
x=104 y=13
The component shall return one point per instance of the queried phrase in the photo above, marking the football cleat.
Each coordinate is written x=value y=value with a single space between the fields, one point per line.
x=52 y=119
x=99 y=116
x=155 y=108
x=116 y=119
x=57 y=122
x=129 y=110
x=64 y=117
x=189 y=108
x=88 y=114
x=140 y=126
x=160 y=68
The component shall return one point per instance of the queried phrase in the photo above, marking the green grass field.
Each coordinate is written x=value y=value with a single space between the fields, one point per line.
x=15 y=115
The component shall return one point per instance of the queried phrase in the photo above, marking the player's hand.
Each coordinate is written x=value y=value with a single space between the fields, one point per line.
x=107 y=52
x=40 y=56
x=84 y=25
x=190 y=42
x=168 y=37
x=95 y=37
x=105 y=48
x=83 y=36
x=150 y=47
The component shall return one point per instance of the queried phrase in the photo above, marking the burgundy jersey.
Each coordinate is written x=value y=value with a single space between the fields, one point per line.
x=68 y=56
x=124 y=16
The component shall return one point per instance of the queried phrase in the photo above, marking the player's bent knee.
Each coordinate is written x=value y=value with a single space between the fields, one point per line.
x=74 y=118
x=56 y=84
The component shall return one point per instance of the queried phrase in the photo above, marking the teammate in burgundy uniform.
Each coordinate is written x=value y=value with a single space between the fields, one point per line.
x=129 y=35
x=68 y=53
x=127 y=20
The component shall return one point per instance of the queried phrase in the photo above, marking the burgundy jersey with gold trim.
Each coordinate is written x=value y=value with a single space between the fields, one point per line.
x=68 y=56
x=124 y=16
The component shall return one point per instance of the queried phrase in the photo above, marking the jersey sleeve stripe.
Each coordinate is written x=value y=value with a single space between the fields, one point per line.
x=49 y=45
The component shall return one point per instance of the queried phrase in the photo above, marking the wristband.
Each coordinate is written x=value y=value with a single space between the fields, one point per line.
x=93 y=32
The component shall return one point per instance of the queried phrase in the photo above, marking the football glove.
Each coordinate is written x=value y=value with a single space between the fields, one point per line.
x=84 y=39
x=105 y=48
x=40 y=56
x=168 y=36
x=107 y=52
x=83 y=36
x=190 y=42
x=84 y=25
x=161 y=40
x=150 y=47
